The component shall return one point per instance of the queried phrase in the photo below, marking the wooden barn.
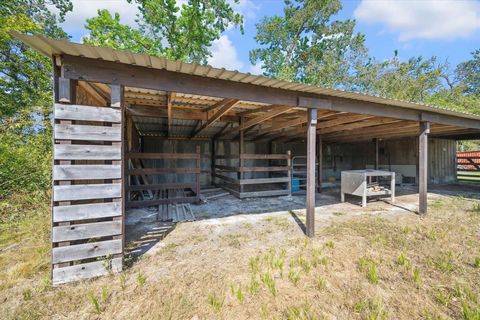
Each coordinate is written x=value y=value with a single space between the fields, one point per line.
x=132 y=130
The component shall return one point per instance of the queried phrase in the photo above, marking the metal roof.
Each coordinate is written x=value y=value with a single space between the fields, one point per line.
x=51 y=47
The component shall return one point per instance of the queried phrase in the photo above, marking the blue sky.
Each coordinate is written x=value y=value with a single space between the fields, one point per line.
x=448 y=29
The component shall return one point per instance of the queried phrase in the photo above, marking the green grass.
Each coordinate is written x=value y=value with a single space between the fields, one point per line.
x=468 y=177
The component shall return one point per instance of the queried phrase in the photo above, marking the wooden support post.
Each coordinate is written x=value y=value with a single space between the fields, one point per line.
x=375 y=141
x=212 y=161
x=197 y=175
x=116 y=101
x=241 y=150
x=319 y=163
x=311 y=133
x=423 y=166
x=67 y=93
x=289 y=164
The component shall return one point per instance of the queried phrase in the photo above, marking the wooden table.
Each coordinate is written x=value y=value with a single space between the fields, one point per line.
x=356 y=182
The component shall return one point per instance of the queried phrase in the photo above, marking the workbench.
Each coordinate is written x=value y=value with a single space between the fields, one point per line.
x=359 y=183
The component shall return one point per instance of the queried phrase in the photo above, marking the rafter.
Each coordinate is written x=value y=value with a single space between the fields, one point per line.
x=341 y=120
x=170 y=97
x=229 y=104
x=283 y=124
x=277 y=110
x=357 y=125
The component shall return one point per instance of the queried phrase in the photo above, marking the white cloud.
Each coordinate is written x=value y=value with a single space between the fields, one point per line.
x=423 y=19
x=84 y=9
x=247 y=8
x=255 y=69
x=224 y=54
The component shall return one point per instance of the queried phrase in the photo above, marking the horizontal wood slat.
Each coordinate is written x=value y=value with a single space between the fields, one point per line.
x=247 y=156
x=86 y=191
x=251 y=169
x=84 y=172
x=87 y=211
x=268 y=193
x=85 y=271
x=162 y=171
x=161 y=186
x=160 y=156
x=86 y=251
x=86 y=230
x=86 y=152
x=83 y=132
x=264 y=180
x=146 y=203
x=87 y=113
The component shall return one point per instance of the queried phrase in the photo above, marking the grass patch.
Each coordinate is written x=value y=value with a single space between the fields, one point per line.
x=24 y=237
x=369 y=267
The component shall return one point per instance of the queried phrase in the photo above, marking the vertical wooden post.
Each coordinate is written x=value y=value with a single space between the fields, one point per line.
x=311 y=133
x=212 y=161
x=116 y=101
x=289 y=164
x=319 y=163
x=423 y=166
x=241 y=150
x=375 y=141
x=67 y=93
x=197 y=175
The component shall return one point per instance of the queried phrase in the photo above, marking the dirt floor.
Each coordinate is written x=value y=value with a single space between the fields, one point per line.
x=379 y=262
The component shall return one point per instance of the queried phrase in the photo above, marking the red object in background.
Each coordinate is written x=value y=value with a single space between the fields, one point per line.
x=465 y=159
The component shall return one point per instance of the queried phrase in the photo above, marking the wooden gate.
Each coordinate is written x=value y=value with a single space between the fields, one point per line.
x=468 y=166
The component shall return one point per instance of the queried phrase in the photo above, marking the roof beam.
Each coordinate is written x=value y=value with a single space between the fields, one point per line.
x=227 y=106
x=80 y=68
x=217 y=104
x=341 y=120
x=357 y=125
x=276 y=110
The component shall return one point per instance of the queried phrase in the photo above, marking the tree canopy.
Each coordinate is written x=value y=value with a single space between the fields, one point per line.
x=177 y=31
x=305 y=44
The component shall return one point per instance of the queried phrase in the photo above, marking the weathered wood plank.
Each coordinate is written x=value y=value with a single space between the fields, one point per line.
x=86 y=230
x=161 y=186
x=87 y=191
x=310 y=201
x=152 y=171
x=85 y=271
x=87 y=211
x=160 y=156
x=81 y=132
x=146 y=203
x=423 y=166
x=87 y=113
x=86 y=251
x=85 y=172
x=248 y=156
x=86 y=152
x=264 y=180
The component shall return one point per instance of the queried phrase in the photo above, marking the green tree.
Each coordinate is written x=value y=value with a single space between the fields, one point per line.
x=468 y=73
x=181 y=32
x=305 y=44
x=26 y=95
x=106 y=30
x=411 y=80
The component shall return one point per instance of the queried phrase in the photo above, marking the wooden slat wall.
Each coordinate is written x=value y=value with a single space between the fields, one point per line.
x=87 y=215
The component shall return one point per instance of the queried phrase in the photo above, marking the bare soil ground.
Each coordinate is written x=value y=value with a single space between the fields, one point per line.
x=381 y=262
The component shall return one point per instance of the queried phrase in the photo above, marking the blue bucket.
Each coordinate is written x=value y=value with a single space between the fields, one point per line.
x=295 y=184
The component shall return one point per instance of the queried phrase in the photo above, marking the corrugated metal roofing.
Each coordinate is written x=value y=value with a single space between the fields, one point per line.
x=50 y=47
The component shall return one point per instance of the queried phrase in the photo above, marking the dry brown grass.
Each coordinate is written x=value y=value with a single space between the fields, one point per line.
x=262 y=267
